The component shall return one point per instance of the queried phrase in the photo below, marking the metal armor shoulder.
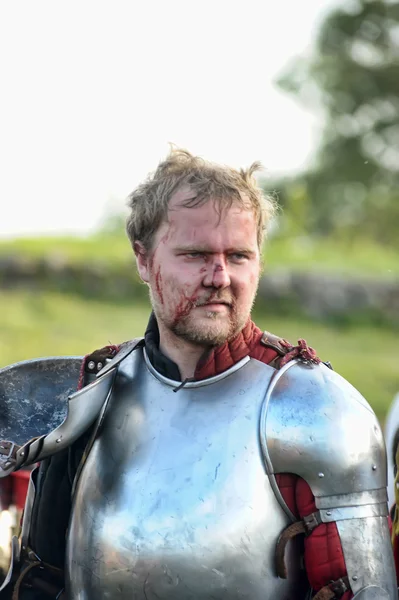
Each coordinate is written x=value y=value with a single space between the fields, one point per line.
x=40 y=411
x=318 y=426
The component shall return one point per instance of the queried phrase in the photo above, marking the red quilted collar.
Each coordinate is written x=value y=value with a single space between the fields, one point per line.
x=223 y=357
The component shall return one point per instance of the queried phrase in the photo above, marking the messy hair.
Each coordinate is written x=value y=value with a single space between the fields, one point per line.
x=223 y=185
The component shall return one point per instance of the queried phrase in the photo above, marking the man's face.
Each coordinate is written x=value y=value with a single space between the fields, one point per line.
x=203 y=270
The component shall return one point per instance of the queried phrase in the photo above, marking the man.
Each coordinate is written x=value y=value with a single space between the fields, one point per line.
x=222 y=458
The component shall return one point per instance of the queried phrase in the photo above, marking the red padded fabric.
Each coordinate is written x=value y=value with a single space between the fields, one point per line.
x=247 y=343
x=324 y=559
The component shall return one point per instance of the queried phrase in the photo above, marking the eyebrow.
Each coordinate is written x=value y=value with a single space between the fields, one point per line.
x=206 y=250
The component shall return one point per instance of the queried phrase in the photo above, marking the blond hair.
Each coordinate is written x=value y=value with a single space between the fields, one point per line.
x=224 y=185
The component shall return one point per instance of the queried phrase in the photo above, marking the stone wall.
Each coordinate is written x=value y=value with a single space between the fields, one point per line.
x=321 y=296
x=329 y=296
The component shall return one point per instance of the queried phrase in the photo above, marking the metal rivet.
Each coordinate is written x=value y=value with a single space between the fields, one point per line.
x=355 y=578
x=99 y=366
x=91 y=365
x=58 y=440
x=374 y=467
x=328 y=513
x=22 y=453
x=321 y=475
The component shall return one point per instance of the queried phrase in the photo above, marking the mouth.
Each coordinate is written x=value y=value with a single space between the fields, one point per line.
x=212 y=302
x=215 y=305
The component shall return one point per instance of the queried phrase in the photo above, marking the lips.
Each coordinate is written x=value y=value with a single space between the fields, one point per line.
x=215 y=303
x=226 y=301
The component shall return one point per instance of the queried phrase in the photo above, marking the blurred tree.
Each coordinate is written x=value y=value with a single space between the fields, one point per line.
x=113 y=220
x=113 y=224
x=353 y=76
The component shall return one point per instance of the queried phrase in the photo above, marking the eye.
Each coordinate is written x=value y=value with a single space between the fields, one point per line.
x=238 y=257
x=195 y=255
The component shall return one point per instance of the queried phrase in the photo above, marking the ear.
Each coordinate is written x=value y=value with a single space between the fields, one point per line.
x=142 y=259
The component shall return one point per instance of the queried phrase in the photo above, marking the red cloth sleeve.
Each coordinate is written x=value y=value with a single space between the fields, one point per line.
x=324 y=558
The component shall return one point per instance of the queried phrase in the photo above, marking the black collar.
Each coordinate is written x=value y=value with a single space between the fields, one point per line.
x=159 y=361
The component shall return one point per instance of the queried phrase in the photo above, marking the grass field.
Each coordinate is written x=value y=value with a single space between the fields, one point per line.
x=44 y=324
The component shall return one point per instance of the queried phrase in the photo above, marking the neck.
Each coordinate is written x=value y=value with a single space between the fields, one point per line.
x=185 y=354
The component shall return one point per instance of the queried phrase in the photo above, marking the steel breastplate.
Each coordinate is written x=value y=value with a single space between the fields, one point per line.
x=174 y=501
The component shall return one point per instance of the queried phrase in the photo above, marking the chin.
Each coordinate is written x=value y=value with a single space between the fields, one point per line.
x=209 y=329
x=210 y=334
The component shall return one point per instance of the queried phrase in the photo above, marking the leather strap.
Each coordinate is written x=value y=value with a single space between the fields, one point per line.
x=50 y=589
x=288 y=534
x=280 y=345
x=333 y=590
x=287 y=351
x=305 y=527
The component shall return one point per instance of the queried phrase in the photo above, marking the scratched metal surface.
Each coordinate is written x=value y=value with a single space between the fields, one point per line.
x=174 y=502
x=33 y=396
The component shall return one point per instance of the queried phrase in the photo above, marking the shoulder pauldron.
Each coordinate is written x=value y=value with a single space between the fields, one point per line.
x=41 y=412
x=315 y=425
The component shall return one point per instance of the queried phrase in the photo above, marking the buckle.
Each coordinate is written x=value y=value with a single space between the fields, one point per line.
x=4 y=446
x=339 y=587
x=312 y=521
x=8 y=453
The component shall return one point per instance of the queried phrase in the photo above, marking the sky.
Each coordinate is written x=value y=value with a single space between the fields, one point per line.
x=93 y=92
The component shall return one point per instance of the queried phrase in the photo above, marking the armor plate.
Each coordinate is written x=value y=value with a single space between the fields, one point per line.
x=174 y=501
x=41 y=412
x=316 y=425
x=33 y=396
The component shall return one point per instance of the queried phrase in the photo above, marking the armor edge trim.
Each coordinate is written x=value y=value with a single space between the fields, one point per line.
x=263 y=441
x=193 y=384
x=80 y=416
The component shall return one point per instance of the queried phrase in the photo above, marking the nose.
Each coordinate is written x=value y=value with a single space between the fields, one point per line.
x=217 y=274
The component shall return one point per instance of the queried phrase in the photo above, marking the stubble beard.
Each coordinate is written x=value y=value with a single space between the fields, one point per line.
x=208 y=330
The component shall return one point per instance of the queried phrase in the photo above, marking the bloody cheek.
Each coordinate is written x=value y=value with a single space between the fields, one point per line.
x=158 y=284
x=183 y=307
